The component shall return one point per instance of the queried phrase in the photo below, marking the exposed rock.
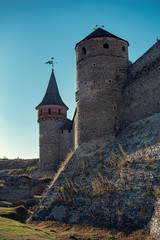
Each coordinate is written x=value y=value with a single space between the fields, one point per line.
x=111 y=186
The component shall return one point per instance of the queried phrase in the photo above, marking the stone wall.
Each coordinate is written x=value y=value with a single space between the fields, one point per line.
x=15 y=188
x=75 y=130
x=148 y=57
x=66 y=143
x=155 y=222
x=101 y=71
x=109 y=186
x=141 y=91
x=49 y=139
x=18 y=163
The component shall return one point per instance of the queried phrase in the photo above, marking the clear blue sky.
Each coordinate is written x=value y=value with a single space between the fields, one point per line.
x=32 y=31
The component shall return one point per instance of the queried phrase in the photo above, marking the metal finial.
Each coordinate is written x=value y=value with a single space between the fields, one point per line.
x=51 y=62
x=157 y=38
x=96 y=26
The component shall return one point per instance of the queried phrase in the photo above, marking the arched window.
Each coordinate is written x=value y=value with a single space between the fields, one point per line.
x=106 y=45
x=41 y=112
x=123 y=49
x=49 y=111
x=84 y=51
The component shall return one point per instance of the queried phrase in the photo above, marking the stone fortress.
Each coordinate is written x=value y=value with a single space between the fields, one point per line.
x=111 y=93
x=111 y=179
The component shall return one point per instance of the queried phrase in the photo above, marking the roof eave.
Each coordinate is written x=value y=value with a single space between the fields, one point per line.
x=50 y=105
x=85 y=40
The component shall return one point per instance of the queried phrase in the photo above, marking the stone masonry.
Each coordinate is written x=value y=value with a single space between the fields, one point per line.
x=141 y=90
x=55 y=130
x=113 y=95
x=101 y=71
x=111 y=184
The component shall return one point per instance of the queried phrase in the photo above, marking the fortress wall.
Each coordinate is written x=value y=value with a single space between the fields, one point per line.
x=18 y=163
x=49 y=142
x=147 y=58
x=74 y=130
x=15 y=188
x=141 y=96
x=66 y=143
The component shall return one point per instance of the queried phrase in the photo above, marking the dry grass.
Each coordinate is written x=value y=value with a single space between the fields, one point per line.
x=62 y=166
x=10 y=229
x=62 y=231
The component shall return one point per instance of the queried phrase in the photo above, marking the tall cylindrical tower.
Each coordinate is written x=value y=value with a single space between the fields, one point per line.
x=102 y=61
x=52 y=113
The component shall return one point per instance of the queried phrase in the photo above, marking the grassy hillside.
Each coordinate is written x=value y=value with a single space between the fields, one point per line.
x=10 y=229
x=19 y=213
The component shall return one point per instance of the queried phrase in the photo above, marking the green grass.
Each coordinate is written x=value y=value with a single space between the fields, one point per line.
x=19 y=213
x=10 y=229
x=5 y=204
x=4 y=210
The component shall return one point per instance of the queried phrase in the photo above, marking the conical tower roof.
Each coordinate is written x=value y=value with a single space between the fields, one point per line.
x=99 y=32
x=52 y=96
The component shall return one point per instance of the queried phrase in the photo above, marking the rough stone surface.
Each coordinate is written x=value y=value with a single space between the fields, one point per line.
x=20 y=179
x=49 y=135
x=155 y=222
x=15 y=188
x=116 y=102
x=141 y=90
x=100 y=75
x=110 y=183
x=18 y=163
x=54 y=143
x=59 y=212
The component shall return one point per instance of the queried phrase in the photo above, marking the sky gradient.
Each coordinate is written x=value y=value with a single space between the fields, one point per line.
x=32 y=31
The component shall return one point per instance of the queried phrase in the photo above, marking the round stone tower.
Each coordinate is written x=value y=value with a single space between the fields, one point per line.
x=102 y=61
x=52 y=113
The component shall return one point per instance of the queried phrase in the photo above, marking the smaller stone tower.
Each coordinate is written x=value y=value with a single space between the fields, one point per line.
x=52 y=114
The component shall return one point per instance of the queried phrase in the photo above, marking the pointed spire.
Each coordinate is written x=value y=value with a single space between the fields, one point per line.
x=52 y=96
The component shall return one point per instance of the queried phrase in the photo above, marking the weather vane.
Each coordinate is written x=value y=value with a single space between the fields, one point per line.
x=51 y=62
x=96 y=26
